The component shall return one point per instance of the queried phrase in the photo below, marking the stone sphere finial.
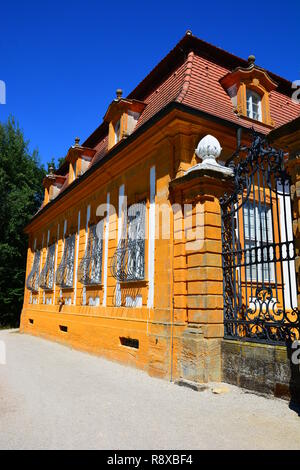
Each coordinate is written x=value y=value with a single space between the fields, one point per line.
x=51 y=170
x=77 y=140
x=209 y=149
x=188 y=32
x=251 y=59
x=119 y=93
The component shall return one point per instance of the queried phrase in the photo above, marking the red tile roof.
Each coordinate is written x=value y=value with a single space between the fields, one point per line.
x=190 y=74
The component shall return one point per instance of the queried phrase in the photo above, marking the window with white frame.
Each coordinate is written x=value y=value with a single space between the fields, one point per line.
x=128 y=263
x=117 y=131
x=74 y=168
x=254 y=105
x=47 y=273
x=65 y=270
x=258 y=235
x=90 y=268
x=32 y=282
x=136 y=241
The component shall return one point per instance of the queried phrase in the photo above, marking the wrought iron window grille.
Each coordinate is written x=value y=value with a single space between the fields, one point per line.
x=32 y=282
x=259 y=288
x=65 y=271
x=47 y=273
x=128 y=262
x=90 y=268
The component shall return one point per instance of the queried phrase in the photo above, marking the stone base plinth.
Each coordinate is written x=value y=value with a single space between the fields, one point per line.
x=262 y=368
x=200 y=358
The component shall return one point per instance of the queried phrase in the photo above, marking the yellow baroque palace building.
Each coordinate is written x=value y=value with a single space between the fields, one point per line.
x=139 y=254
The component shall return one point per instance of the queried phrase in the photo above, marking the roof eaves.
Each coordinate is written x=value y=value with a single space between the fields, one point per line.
x=122 y=144
x=288 y=128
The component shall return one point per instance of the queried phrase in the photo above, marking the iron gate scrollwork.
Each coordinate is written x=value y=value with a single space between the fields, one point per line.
x=260 y=289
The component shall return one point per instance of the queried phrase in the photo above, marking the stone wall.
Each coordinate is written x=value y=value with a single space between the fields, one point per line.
x=262 y=368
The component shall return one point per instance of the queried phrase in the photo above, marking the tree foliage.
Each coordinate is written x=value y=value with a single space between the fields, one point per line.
x=21 y=194
x=55 y=164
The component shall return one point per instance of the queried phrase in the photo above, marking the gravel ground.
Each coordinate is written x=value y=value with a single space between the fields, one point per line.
x=54 y=397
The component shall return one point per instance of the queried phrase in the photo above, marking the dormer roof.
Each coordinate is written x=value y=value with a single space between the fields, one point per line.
x=76 y=151
x=247 y=73
x=121 y=105
x=53 y=179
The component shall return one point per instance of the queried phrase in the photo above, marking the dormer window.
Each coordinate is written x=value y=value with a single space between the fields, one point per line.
x=122 y=116
x=79 y=159
x=253 y=105
x=249 y=89
x=74 y=170
x=52 y=184
x=117 y=131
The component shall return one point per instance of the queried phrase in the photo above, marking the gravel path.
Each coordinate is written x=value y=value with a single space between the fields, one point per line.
x=52 y=396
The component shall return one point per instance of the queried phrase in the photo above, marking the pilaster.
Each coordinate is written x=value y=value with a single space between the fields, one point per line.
x=198 y=273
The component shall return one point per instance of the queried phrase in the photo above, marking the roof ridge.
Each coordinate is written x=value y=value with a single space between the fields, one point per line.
x=187 y=77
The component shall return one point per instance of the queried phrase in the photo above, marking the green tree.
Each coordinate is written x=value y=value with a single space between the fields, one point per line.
x=21 y=194
x=55 y=164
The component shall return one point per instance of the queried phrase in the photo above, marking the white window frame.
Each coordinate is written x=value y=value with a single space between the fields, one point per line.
x=66 y=266
x=253 y=239
x=32 y=282
x=136 y=240
x=250 y=96
x=47 y=273
x=90 y=269
x=117 y=131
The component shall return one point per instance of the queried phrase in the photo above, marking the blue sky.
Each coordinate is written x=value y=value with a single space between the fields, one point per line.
x=63 y=60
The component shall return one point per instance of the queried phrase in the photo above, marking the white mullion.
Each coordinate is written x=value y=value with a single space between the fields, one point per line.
x=151 y=239
x=63 y=248
x=47 y=245
x=251 y=105
x=40 y=265
x=76 y=257
x=55 y=264
x=121 y=221
x=106 y=250
x=88 y=214
x=259 y=110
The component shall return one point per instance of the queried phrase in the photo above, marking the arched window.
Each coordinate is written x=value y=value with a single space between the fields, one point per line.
x=254 y=105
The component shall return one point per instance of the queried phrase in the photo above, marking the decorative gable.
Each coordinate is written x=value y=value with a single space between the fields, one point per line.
x=243 y=83
x=79 y=159
x=122 y=116
x=52 y=184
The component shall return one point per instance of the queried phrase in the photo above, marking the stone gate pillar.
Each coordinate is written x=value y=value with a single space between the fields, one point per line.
x=198 y=254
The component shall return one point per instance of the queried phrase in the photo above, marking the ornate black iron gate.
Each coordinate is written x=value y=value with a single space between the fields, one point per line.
x=260 y=290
